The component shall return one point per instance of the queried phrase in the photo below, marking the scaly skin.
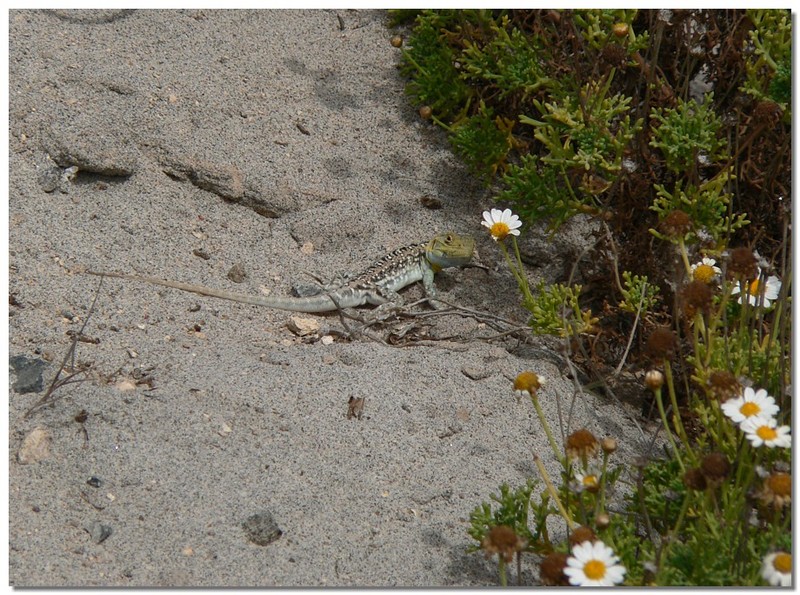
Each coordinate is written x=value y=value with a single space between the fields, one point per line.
x=378 y=284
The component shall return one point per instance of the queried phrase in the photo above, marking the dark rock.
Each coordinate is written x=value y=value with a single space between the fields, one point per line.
x=29 y=374
x=261 y=528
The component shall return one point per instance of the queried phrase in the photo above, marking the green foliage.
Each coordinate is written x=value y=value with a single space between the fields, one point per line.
x=586 y=132
x=401 y=16
x=638 y=295
x=428 y=61
x=687 y=133
x=555 y=311
x=552 y=103
x=510 y=61
x=769 y=46
x=597 y=28
x=483 y=142
x=707 y=205
x=663 y=493
x=511 y=512
x=536 y=192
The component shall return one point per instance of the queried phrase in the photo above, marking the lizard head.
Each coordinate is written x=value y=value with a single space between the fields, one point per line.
x=449 y=250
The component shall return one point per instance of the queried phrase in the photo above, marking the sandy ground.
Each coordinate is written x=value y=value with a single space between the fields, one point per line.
x=279 y=143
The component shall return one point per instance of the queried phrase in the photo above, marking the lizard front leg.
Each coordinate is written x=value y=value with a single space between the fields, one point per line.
x=430 y=289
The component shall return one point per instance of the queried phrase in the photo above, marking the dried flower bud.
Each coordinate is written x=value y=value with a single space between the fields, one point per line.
x=661 y=343
x=620 y=29
x=582 y=534
x=677 y=224
x=654 y=380
x=742 y=264
x=696 y=297
x=581 y=444
x=425 y=112
x=602 y=521
x=776 y=491
x=609 y=445
x=552 y=570
x=504 y=541
x=396 y=41
x=695 y=480
x=724 y=385
x=528 y=382
x=716 y=467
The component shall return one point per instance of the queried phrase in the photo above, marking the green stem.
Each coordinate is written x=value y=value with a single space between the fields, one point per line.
x=552 y=491
x=546 y=427
x=676 y=414
x=663 y=414
x=501 y=564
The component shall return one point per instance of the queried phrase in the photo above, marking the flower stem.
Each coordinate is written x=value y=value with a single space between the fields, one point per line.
x=663 y=414
x=552 y=491
x=546 y=426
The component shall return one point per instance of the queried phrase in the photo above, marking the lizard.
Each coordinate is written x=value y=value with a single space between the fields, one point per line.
x=378 y=284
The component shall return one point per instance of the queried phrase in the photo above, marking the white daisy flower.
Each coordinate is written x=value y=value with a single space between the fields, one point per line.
x=594 y=565
x=777 y=569
x=501 y=223
x=749 y=405
x=760 y=431
x=589 y=482
x=706 y=270
x=770 y=288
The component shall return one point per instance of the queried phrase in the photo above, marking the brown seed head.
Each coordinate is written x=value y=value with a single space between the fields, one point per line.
x=613 y=54
x=582 y=534
x=695 y=480
x=425 y=112
x=716 y=467
x=776 y=491
x=696 y=297
x=767 y=112
x=661 y=343
x=528 y=382
x=397 y=41
x=742 y=264
x=503 y=541
x=724 y=385
x=677 y=224
x=551 y=570
x=581 y=444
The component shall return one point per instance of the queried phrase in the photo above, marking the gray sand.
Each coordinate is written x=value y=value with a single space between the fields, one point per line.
x=279 y=141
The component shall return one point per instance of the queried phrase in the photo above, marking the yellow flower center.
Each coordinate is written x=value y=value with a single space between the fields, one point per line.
x=755 y=288
x=704 y=273
x=783 y=563
x=595 y=569
x=499 y=230
x=766 y=433
x=780 y=484
x=590 y=481
x=749 y=409
x=527 y=381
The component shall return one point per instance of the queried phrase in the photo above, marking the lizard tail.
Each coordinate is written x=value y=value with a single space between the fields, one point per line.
x=314 y=304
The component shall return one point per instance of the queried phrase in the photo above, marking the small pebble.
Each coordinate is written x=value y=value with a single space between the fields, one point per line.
x=261 y=528
x=98 y=531
x=35 y=447
x=237 y=273
x=303 y=327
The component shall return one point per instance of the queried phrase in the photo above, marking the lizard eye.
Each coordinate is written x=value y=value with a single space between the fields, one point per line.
x=448 y=238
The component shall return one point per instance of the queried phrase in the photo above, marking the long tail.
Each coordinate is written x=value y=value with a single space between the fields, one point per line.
x=319 y=303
